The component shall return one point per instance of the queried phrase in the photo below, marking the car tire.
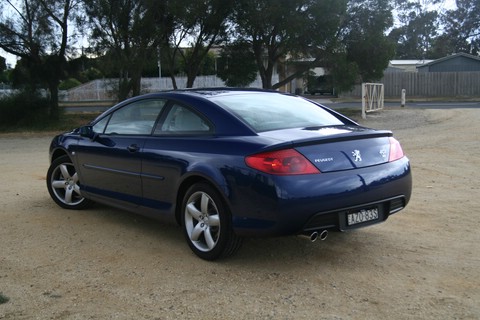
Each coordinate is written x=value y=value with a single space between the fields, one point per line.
x=207 y=223
x=63 y=184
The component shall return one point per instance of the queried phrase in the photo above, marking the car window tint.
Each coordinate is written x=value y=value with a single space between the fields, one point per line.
x=182 y=120
x=276 y=111
x=136 y=118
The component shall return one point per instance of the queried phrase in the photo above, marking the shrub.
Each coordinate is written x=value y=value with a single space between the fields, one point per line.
x=23 y=109
x=3 y=298
x=69 y=84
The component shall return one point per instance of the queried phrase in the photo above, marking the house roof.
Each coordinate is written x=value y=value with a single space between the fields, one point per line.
x=453 y=56
x=395 y=63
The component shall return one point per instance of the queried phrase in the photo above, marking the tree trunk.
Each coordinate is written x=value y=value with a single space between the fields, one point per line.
x=136 y=84
x=54 y=109
x=191 y=76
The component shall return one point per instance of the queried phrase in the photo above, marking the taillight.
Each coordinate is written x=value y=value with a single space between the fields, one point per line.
x=396 y=151
x=282 y=162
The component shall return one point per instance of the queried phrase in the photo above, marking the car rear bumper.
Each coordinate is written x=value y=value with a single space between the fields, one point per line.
x=274 y=206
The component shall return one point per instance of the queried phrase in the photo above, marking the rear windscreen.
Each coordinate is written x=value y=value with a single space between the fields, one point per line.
x=266 y=112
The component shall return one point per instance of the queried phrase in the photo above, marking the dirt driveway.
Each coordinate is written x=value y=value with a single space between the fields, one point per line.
x=423 y=263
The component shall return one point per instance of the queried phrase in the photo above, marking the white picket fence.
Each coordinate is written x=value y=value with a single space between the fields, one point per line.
x=105 y=89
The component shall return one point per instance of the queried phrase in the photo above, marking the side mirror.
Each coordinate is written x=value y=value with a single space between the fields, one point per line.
x=87 y=132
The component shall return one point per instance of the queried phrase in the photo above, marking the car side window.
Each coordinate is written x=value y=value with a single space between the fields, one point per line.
x=182 y=120
x=138 y=117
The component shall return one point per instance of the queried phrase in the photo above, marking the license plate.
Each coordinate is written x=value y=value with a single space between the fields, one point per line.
x=362 y=216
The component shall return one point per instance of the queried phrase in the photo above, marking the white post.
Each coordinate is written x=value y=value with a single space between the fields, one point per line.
x=404 y=92
x=364 y=94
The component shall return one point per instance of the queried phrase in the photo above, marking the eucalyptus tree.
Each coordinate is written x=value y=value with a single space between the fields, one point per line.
x=38 y=32
x=345 y=37
x=125 y=32
x=277 y=29
x=236 y=64
x=195 y=27
x=462 y=27
x=363 y=36
x=417 y=28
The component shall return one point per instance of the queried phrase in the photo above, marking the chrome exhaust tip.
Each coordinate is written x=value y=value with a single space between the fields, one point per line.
x=323 y=235
x=315 y=235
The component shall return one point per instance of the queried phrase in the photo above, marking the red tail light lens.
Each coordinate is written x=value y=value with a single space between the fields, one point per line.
x=396 y=151
x=282 y=162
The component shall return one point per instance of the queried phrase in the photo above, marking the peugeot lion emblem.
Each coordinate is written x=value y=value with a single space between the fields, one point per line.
x=356 y=155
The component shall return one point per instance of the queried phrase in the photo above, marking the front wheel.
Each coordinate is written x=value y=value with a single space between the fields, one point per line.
x=63 y=184
x=207 y=223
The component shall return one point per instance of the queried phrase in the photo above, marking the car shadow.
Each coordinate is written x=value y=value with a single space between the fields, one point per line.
x=154 y=235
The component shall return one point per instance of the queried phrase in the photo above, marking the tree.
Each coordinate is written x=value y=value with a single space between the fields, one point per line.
x=418 y=29
x=236 y=65
x=126 y=32
x=38 y=33
x=3 y=64
x=277 y=28
x=364 y=37
x=3 y=68
x=200 y=25
x=462 y=28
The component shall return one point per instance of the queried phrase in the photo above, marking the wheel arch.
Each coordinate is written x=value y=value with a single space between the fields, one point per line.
x=57 y=153
x=190 y=181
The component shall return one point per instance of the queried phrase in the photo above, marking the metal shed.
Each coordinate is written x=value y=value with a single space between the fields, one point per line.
x=460 y=62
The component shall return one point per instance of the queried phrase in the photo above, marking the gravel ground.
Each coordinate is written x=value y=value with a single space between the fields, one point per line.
x=102 y=263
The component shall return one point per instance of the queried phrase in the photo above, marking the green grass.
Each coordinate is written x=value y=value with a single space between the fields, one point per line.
x=67 y=122
x=3 y=298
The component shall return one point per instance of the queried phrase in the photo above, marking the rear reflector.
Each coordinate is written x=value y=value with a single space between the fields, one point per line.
x=282 y=162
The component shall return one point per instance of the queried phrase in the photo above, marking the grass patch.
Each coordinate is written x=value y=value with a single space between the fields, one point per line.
x=28 y=111
x=3 y=298
x=66 y=122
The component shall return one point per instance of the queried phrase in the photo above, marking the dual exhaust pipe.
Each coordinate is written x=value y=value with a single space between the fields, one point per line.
x=315 y=235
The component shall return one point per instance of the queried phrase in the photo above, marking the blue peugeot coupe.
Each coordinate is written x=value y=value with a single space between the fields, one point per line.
x=232 y=163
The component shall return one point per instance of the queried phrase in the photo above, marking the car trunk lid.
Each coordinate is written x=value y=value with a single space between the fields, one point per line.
x=338 y=148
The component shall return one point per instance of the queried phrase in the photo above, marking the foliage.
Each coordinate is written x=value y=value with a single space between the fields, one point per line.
x=415 y=37
x=206 y=65
x=365 y=40
x=3 y=71
x=130 y=38
x=3 y=64
x=25 y=108
x=69 y=84
x=38 y=33
x=463 y=28
x=125 y=31
x=275 y=28
x=201 y=24
x=236 y=65
x=84 y=69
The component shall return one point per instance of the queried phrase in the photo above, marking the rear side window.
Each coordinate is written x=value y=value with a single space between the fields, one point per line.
x=182 y=120
x=266 y=112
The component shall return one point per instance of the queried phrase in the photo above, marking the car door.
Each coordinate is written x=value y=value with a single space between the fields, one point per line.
x=111 y=162
x=175 y=144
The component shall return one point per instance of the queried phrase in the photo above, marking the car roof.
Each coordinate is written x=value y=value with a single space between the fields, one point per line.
x=216 y=91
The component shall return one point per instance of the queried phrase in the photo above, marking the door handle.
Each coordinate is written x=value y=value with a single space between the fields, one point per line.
x=133 y=148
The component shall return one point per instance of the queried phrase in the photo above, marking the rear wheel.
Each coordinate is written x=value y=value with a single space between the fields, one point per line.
x=63 y=184
x=207 y=223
